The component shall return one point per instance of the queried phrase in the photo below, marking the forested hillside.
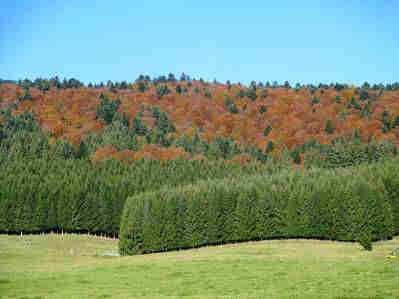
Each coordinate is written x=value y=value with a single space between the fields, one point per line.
x=165 y=118
x=71 y=154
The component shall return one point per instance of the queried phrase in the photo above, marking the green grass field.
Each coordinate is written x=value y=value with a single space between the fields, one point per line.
x=78 y=266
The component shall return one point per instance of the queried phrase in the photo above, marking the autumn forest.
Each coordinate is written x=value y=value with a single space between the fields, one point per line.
x=165 y=118
x=113 y=158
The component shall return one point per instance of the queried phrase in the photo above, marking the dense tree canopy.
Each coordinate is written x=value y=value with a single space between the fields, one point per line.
x=71 y=154
x=70 y=111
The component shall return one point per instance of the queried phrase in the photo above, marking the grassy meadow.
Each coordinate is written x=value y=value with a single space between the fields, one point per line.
x=81 y=266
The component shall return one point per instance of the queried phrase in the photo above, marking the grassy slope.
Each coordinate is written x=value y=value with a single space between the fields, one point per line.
x=74 y=266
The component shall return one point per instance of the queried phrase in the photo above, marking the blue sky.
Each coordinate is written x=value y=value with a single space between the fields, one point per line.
x=300 y=41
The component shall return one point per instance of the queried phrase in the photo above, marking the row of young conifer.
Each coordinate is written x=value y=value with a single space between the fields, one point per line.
x=350 y=204
x=39 y=195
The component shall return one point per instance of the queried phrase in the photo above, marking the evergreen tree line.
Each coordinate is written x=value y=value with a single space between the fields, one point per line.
x=45 y=84
x=343 y=152
x=350 y=204
x=54 y=82
x=40 y=194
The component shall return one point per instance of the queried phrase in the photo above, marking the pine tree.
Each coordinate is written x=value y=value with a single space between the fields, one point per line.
x=269 y=147
x=267 y=131
x=329 y=128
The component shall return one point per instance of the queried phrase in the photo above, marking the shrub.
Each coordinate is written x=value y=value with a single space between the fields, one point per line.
x=365 y=241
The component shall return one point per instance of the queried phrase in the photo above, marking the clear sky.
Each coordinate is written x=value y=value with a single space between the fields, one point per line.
x=300 y=41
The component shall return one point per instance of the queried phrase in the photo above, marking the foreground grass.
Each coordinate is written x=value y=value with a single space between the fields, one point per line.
x=77 y=266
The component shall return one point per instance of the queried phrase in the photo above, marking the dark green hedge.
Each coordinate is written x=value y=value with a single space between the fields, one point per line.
x=39 y=194
x=340 y=204
x=389 y=175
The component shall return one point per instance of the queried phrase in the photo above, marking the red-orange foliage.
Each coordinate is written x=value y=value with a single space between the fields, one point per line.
x=104 y=153
x=71 y=114
x=154 y=152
